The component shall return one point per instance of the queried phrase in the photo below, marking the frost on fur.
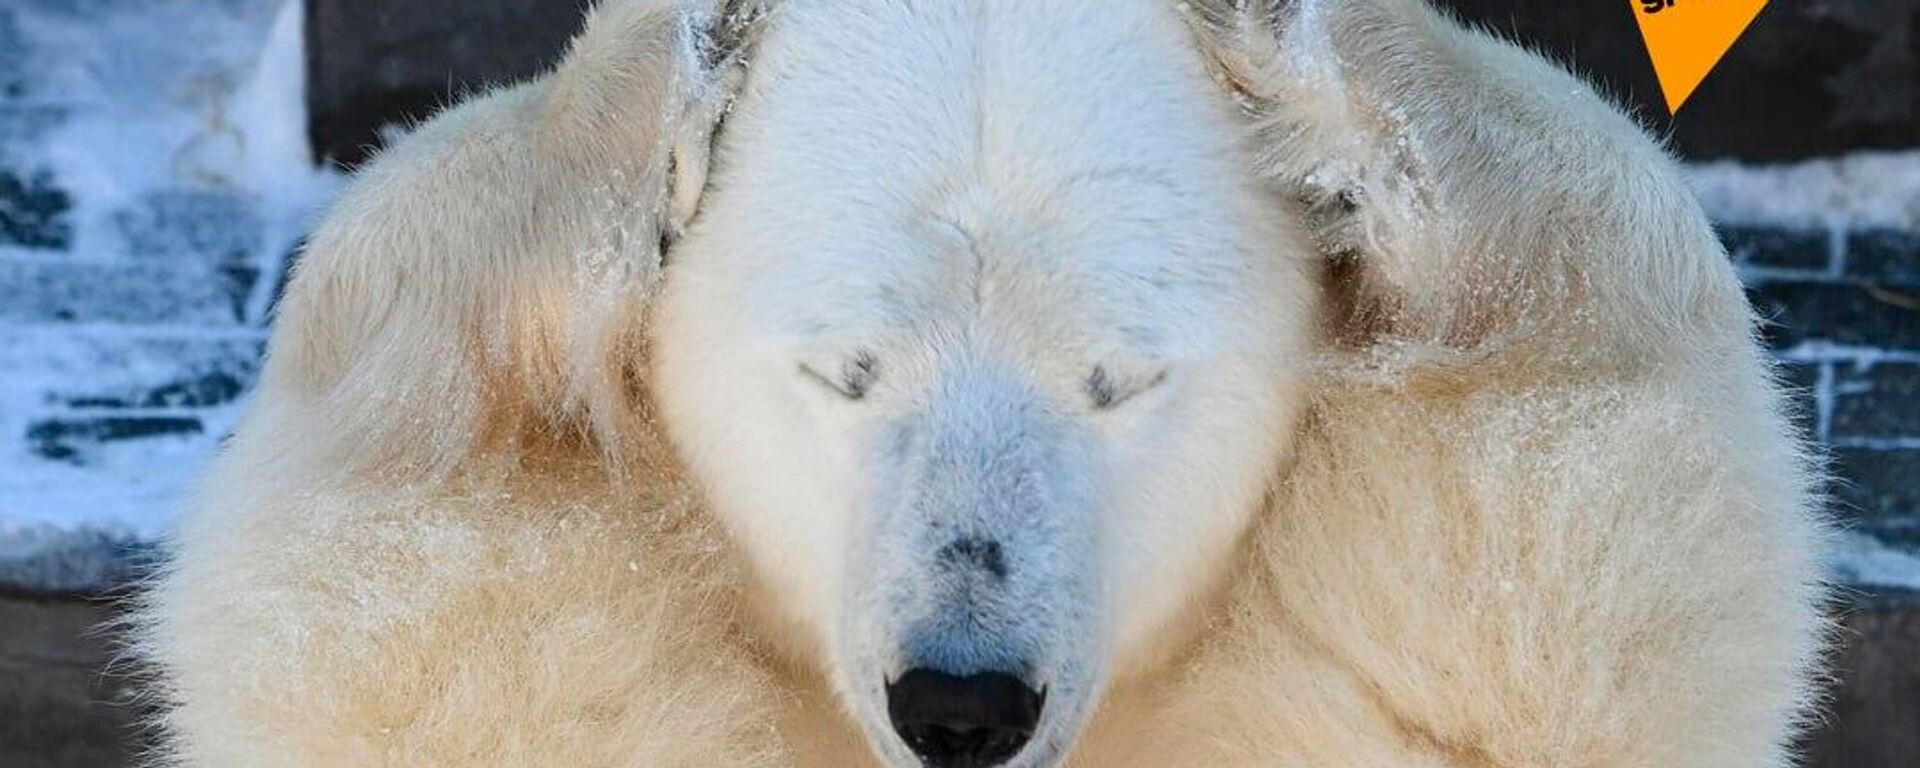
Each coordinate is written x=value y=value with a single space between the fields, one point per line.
x=482 y=284
x=1313 y=383
x=448 y=452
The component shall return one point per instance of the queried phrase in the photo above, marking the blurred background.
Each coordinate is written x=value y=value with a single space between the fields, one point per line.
x=160 y=161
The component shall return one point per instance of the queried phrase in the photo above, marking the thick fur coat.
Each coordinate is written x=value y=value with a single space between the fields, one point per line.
x=1537 y=503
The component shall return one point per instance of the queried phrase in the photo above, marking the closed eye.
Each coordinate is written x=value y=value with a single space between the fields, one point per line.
x=852 y=381
x=1107 y=391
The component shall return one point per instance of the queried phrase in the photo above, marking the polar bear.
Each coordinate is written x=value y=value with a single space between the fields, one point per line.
x=1037 y=383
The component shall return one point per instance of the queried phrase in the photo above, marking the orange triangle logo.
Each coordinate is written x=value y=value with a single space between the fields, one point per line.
x=1686 y=38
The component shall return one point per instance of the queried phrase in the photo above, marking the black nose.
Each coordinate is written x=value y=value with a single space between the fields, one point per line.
x=975 y=721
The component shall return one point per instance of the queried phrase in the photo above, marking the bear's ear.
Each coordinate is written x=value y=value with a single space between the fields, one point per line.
x=1469 y=195
x=482 y=282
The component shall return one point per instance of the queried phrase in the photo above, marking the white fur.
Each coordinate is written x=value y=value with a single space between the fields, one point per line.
x=1022 y=192
x=1427 y=429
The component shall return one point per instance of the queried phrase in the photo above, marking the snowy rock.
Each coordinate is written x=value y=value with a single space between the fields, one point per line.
x=1879 y=495
x=185 y=224
x=199 y=293
x=113 y=369
x=23 y=126
x=1868 y=561
x=1887 y=256
x=1775 y=247
x=1856 y=190
x=154 y=175
x=1834 y=313
x=1878 y=402
x=69 y=561
x=13 y=56
x=75 y=439
x=33 y=211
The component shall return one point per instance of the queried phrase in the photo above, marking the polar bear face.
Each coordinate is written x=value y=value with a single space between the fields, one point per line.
x=981 y=347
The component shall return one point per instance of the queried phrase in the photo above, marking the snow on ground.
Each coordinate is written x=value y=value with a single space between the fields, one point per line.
x=1865 y=561
x=1865 y=189
x=126 y=488
x=170 y=93
x=177 y=129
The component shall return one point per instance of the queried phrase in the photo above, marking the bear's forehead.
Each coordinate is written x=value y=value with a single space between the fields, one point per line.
x=1031 y=162
x=884 y=107
x=1045 y=306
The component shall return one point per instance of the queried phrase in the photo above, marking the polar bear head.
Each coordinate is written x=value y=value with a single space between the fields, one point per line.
x=983 y=349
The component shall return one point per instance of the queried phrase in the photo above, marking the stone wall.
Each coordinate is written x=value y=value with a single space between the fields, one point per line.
x=1844 y=312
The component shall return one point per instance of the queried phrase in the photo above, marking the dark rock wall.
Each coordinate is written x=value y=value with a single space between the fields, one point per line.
x=1844 y=318
x=1873 y=716
x=375 y=63
x=1809 y=77
x=58 y=709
